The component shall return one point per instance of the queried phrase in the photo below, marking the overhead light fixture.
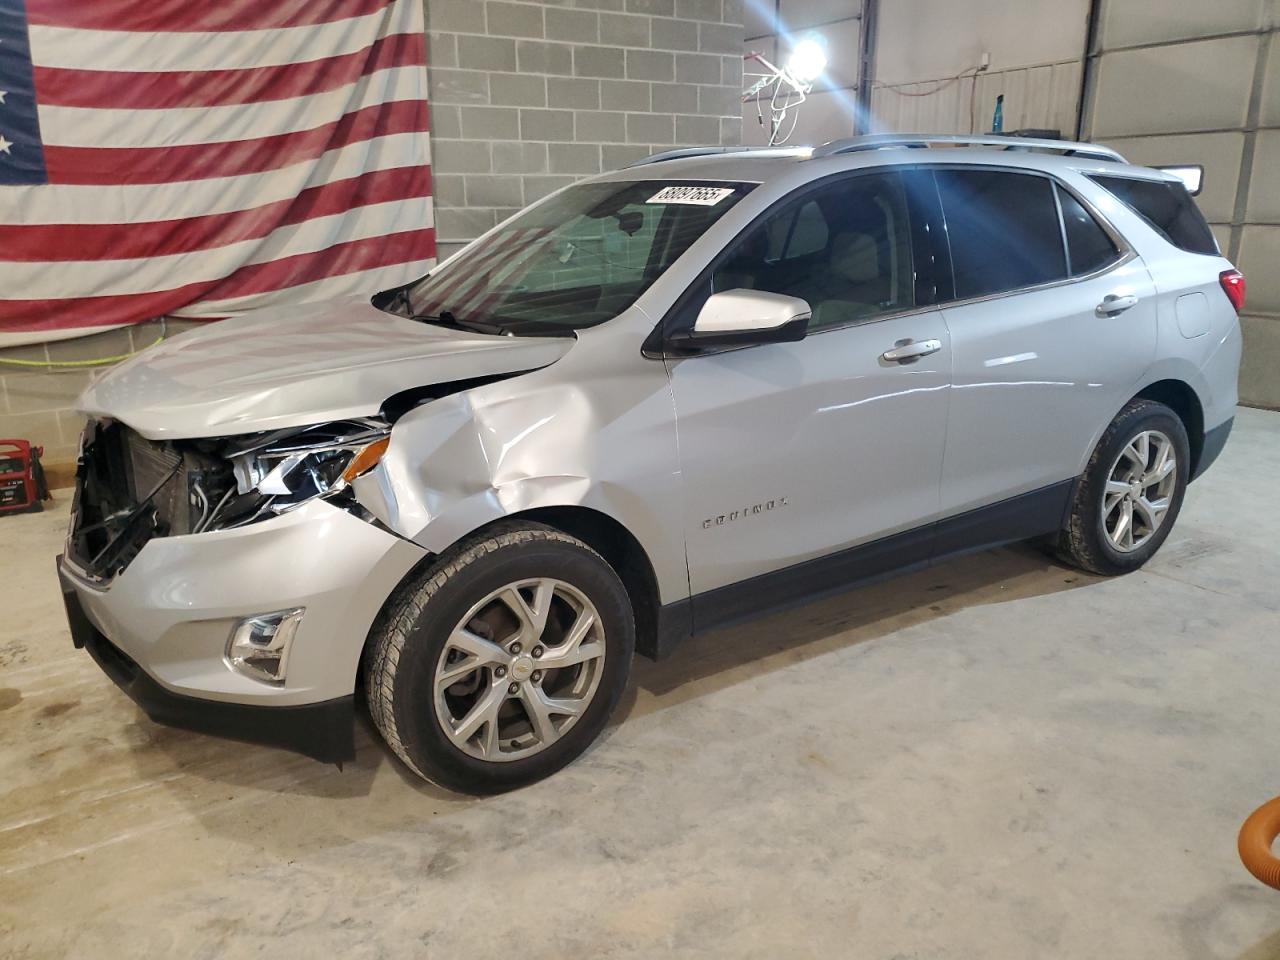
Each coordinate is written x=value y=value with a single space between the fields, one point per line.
x=784 y=89
x=807 y=61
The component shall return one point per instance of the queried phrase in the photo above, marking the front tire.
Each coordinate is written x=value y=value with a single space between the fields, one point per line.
x=502 y=662
x=1130 y=493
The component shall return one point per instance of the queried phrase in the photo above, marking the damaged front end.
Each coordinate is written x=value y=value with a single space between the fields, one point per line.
x=130 y=489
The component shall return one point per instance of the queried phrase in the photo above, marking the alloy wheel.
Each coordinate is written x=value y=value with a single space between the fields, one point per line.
x=1139 y=490
x=519 y=670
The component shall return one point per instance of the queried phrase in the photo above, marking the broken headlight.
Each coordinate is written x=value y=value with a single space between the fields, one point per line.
x=277 y=472
x=317 y=461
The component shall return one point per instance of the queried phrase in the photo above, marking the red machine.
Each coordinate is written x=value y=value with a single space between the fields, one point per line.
x=22 y=483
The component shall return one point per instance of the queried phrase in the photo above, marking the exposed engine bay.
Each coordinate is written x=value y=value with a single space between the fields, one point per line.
x=130 y=489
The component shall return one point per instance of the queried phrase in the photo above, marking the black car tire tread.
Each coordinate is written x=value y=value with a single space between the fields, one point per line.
x=397 y=639
x=1081 y=543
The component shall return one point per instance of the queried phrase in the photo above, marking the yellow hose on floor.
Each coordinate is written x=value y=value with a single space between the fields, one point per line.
x=1254 y=843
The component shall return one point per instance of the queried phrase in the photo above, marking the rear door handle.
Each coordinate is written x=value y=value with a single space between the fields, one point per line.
x=906 y=351
x=1113 y=304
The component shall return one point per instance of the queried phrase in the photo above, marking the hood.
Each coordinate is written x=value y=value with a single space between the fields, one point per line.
x=299 y=365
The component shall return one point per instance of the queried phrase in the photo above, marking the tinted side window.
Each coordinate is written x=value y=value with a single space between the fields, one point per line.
x=1088 y=246
x=1168 y=208
x=801 y=233
x=845 y=249
x=1003 y=228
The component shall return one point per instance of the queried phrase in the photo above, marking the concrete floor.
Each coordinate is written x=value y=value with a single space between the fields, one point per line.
x=999 y=757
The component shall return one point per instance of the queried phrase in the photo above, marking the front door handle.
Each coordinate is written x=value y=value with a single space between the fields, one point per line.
x=1113 y=304
x=908 y=351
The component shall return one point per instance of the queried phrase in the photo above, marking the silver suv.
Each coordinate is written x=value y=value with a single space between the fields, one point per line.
x=659 y=401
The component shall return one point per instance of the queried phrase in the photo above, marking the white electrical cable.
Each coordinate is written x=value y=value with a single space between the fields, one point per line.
x=939 y=85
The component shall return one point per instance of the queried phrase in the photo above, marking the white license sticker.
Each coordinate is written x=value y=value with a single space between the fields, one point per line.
x=698 y=196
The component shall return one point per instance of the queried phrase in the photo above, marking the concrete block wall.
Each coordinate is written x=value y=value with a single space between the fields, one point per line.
x=529 y=96
x=525 y=97
x=39 y=384
x=1172 y=82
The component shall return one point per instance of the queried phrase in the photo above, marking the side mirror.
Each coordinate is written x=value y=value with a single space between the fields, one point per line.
x=749 y=316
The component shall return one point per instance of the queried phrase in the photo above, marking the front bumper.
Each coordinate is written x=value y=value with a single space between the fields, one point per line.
x=160 y=628
x=324 y=730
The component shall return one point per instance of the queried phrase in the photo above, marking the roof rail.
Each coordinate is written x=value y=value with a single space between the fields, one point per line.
x=680 y=152
x=685 y=152
x=878 y=141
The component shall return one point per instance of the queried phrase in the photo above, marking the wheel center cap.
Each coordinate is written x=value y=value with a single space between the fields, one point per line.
x=1135 y=489
x=522 y=668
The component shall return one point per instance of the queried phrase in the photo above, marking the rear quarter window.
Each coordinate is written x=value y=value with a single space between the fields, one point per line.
x=1168 y=208
x=1089 y=249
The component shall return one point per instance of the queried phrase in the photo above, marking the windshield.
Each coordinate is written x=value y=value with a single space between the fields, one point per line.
x=576 y=260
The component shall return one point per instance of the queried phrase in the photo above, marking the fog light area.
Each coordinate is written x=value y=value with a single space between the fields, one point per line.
x=259 y=646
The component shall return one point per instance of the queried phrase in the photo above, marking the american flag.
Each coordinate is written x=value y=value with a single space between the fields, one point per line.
x=202 y=159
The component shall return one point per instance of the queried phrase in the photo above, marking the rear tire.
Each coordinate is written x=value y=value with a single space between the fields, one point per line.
x=1130 y=493
x=502 y=662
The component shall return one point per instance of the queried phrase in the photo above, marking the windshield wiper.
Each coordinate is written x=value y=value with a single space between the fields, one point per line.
x=401 y=299
x=445 y=318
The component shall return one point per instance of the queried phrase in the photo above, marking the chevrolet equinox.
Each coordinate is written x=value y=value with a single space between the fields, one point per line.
x=658 y=401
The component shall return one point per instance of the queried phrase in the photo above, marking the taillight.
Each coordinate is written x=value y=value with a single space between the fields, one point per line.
x=1233 y=286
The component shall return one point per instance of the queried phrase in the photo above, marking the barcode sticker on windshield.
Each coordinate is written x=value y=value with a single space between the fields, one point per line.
x=698 y=196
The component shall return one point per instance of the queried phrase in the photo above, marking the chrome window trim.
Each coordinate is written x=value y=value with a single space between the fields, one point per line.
x=1126 y=254
x=1125 y=258
x=1126 y=251
x=1036 y=288
x=1122 y=243
x=799 y=193
x=1062 y=228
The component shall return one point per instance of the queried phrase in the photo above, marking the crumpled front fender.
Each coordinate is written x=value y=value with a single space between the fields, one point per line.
x=557 y=437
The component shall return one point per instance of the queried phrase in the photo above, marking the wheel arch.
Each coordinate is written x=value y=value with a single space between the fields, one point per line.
x=602 y=533
x=621 y=550
x=1180 y=397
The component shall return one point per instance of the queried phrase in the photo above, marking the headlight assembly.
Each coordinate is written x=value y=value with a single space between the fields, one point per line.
x=298 y=467
x=278 y=472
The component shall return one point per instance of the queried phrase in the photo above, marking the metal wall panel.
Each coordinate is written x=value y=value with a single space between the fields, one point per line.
x=1178 y=82
x=1044 y=97
x=1218 y=153
x=1263 y=204
x=918 y=40
x=1259 y=257
x=1173 y=88
x=1125 y=24
x=1269 y=108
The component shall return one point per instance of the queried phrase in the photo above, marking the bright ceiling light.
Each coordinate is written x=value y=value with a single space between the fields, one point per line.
x=807 y=61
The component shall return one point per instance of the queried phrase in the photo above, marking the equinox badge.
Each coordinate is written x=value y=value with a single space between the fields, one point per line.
x=750 y=511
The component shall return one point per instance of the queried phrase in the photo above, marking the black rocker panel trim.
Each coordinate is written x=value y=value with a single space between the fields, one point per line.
x=1022 y=517
x=1027 y=515
x=1214 y=440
